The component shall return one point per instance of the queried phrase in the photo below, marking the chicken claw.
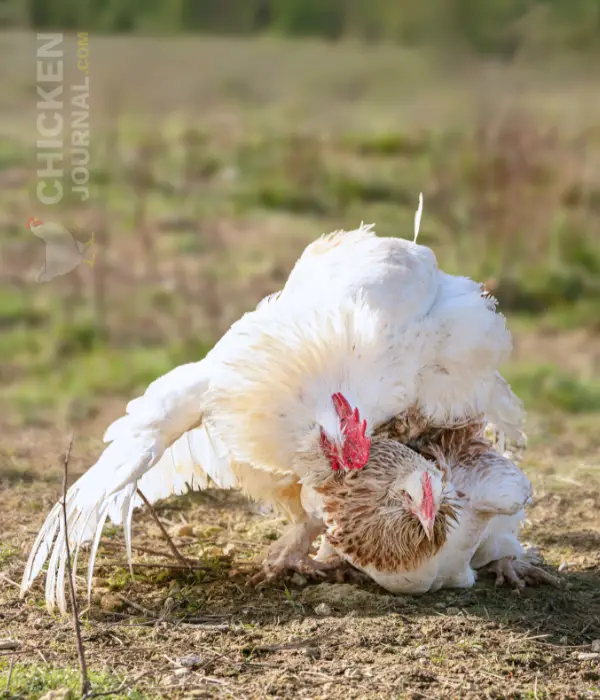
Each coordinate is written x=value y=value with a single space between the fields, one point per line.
x=520 y=573
x=290 y=553
x=278 y=563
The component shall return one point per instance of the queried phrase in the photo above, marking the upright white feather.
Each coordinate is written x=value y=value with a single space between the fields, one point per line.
x=418 y=215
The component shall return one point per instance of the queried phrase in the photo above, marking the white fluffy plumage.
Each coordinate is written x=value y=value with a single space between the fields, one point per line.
x=372 y=318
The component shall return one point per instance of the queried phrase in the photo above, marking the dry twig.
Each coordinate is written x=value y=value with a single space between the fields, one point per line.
x=137 y=548
x=176 y=553
x=138 y=607
x=310 y=641
x=85 y=683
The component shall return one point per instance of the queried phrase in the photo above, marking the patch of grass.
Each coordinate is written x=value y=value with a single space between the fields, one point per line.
x=16 y=309
x=12 y=154
x=557 y=288
x=387 y=143
x=584 y=313
x=118 y=579
x=7 y=553
x=373 y=190
x=78 y=379
x=546 y=388
x=32 y=681
x=283 y=196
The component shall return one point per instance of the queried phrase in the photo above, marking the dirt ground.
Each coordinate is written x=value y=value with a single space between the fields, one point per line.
x=172 y=633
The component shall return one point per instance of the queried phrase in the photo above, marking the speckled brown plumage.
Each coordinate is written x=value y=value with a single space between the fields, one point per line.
x=463 y=443
x=404 y=428
x=368 y=521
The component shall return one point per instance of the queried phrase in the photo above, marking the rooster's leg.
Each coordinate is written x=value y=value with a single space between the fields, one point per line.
x=290 y=553
x=519 y=572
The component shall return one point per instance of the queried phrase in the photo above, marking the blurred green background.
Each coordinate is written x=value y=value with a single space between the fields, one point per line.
x=493 y=26
x=226 y=135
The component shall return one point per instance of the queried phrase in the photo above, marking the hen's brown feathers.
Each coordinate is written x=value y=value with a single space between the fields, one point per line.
x=367 y=521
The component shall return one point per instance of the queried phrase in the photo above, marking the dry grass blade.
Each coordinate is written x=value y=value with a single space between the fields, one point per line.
x=138 y=607
x=9 y=580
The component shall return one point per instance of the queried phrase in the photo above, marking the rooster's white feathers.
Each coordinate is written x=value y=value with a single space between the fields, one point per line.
x=373 y=318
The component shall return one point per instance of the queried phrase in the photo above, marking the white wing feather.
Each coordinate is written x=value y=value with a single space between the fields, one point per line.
x=494 y=484
x=496 y=487
x=158 y=446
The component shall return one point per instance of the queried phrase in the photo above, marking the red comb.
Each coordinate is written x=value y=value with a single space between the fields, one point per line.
x=357 y=445
x=342 y=407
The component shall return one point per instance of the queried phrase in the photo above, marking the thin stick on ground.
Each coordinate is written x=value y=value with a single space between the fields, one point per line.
x=137 y=548
x=9 y=678
x=155 y=565
x=85 y=683
x=138 y=607
x=176 y=553
x=310 y=641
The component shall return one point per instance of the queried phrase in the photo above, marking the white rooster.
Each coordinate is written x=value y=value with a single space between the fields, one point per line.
x=366 y=329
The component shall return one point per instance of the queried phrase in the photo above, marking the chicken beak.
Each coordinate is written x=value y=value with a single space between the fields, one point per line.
x=428 y=525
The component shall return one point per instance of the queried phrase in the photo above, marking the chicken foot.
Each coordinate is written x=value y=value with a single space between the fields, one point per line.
x=291 y=553
x=519 y=572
